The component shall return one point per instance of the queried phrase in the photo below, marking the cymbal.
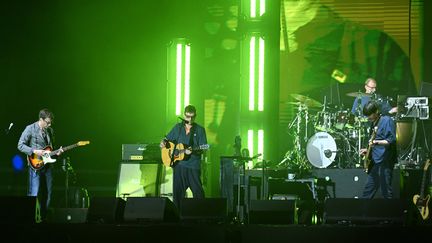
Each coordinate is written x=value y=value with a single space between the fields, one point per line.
x=306 y=100
x=358 y=94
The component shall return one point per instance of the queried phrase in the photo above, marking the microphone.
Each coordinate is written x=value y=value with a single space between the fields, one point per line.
x=9 y=128
x=187 y=122
x=256 y=156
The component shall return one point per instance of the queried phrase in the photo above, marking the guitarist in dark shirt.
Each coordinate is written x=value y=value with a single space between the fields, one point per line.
x=382 y=154
x=187 y=172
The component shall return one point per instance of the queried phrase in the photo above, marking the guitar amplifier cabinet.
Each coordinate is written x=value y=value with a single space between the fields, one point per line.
x=140 y=152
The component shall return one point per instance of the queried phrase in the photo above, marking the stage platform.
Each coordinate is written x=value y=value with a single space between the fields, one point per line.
x=164 y=232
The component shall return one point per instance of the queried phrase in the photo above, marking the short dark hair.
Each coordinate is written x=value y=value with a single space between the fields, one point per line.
x=370 y=108
x=190 y=109
x=45 y=113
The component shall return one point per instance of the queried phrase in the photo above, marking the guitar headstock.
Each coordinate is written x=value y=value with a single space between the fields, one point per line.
x=204 y=146
x=82 y=143
x=426 y=166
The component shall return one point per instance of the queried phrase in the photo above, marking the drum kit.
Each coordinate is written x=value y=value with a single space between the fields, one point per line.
x=325 y=135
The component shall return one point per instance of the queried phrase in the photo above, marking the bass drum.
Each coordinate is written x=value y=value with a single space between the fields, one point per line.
x=321 y=149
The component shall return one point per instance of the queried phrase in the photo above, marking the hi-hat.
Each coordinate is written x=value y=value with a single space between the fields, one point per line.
x=306 y=100
x=358 y=94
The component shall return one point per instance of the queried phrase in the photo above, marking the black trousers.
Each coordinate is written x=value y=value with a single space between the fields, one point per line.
x=379 y=177
x=183 y=179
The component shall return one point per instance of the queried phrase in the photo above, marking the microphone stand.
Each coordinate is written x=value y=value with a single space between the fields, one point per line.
x=66 y=169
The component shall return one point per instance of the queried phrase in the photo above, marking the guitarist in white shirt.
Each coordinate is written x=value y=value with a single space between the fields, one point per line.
x=187 y=172
x=33 y=140
x=383 y=153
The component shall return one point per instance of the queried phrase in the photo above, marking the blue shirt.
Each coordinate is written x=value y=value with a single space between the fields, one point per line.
x=33 y=137
x=178 y=135
x=386 y=131
x=359 y=103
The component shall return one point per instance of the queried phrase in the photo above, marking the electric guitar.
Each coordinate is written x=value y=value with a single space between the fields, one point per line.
x=420 y=200
x=367 y=163
x=38 y=162
x=172 y=153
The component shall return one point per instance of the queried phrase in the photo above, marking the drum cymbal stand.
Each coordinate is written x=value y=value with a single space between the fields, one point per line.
x=359 y=141
x=294 y=158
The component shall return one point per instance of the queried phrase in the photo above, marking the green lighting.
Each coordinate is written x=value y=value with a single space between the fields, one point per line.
x=252 y=74
x=187 y=76
x=179 y=66
x=262 y=7
x=261 y=75
x=250 y=145
x=261 y=142
x=253 y=8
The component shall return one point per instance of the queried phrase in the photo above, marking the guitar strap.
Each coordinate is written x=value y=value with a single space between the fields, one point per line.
x=373 y=125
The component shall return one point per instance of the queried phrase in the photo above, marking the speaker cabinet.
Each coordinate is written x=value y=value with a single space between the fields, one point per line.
x=138 y=179
x=272 y=212
x=19 y=209
x=68 y=215
x=349 y=183
x=150 y=209
x=106 y=210
x=365 y=211
x=206 y=210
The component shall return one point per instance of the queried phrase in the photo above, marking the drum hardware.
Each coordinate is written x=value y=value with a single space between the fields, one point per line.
x=306 y=101
x=301 y=125
x=358 y=94
x=412 y=111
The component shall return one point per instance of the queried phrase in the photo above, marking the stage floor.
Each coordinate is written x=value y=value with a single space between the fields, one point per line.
x=163 y=232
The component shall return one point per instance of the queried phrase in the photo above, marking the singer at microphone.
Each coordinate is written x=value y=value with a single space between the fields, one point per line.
x=188 y=136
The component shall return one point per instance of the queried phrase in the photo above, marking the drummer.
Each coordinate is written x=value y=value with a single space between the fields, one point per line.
x=370 y=93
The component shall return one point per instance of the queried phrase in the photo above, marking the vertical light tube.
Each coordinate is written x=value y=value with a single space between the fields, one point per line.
x=253 y=8
x=187 y=76
x=262 y=7
x=261 y=74
x=261 y=142
x=252 y=74
x=179 y=67
x=250 y=145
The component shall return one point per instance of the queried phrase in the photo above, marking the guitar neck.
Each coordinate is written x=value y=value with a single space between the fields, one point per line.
x=423 y=184
x=64 y=149
x=370 y=145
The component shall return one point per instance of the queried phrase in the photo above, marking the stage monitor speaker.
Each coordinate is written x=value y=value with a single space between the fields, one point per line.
x=68 y=215
x=150 y=209
x=365 y=211
x=19 y=209
x=106 y=210
x=272 y=212
x=204 y=210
